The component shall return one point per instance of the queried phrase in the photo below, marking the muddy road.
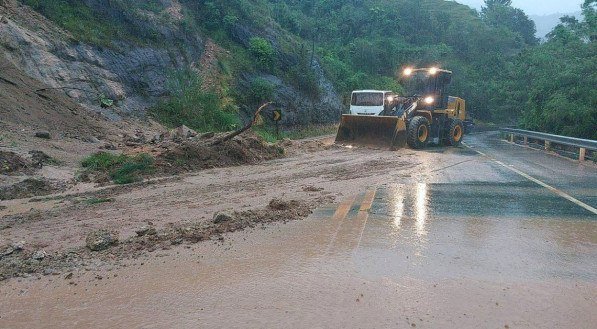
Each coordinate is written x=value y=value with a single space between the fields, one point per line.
x=489 y=235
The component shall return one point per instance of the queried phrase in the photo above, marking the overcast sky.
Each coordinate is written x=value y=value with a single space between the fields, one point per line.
x=537 y=7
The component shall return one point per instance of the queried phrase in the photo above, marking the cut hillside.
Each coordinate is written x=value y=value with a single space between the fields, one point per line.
x=28 y=104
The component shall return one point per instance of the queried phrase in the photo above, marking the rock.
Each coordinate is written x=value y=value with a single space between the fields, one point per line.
x=18 y=246
x=108 y=146
x=7 y=252
x=156 y=139
x=182 y=132
x=39 y=255
x=101 y=240
x=176 y=241
x=69 y=276
x=277 y=204
x=43 y=135
x=146 y=230
x=222 y=217
x=50 y=271
x=39 y=158
x=134 y=140
x=91 y=140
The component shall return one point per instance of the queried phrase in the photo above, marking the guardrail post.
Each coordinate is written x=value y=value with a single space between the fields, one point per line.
x=582 y=154
x=511 y=138
x=547 y=145
x=526 y=140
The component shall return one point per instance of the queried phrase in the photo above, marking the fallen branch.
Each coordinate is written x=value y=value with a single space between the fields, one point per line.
x=245 y=128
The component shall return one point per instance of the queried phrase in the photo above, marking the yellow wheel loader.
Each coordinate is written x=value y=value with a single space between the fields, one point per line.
x=381 y=118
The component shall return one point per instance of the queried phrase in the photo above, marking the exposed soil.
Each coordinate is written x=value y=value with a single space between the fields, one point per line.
x=201 y=153
x=17 y=260
x=181 y=207
x=12 y=163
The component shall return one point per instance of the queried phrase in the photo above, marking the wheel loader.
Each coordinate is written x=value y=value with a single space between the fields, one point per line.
x=424 y=115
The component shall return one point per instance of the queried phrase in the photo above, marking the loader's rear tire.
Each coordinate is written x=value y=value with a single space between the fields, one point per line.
x=418 y=132
x=455 y=133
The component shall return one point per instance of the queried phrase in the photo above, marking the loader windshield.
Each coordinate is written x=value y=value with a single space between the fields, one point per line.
x=367 y=99
x=420 y=83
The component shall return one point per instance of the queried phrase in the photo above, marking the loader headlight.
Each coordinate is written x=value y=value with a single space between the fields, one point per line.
x=429 y=100
x=433 y=70
x=408 y=71
x=390 y=99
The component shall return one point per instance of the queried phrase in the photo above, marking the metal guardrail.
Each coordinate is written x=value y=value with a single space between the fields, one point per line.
x=582 y=144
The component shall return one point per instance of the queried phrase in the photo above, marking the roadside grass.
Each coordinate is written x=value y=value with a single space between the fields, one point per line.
x=122 y=169
x=269 y=134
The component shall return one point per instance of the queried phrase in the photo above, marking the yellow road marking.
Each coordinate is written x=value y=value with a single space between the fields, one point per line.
x=368 y=200
x=364 y=212
x=343 y=209
x=547 y=186
x=340 y=215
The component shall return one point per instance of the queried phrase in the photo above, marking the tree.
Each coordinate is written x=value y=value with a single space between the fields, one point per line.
x=501 y=14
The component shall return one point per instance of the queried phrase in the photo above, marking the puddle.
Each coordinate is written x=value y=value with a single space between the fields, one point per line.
x=423 y=251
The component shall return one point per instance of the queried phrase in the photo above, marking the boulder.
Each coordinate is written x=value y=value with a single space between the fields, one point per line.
x=43 y=135
x=101 y=240
x=39 y=255
x=146 y=230
x=222 y=217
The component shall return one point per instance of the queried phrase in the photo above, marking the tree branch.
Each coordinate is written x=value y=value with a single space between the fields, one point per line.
x=245 y=128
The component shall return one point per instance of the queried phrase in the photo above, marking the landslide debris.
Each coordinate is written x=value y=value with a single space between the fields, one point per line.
x=201 y=153
x=12 y=163
x=103 y=245
x=30 y=187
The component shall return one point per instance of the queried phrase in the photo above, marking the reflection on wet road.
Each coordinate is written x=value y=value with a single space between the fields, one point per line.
x=429 y=253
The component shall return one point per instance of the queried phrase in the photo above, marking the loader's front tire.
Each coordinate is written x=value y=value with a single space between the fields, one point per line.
x=418 y=132
x=455 y=133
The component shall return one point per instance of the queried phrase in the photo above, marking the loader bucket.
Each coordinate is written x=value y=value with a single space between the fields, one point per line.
x=372 y=131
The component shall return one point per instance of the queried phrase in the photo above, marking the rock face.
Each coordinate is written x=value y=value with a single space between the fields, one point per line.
x=299 y=109
x=129 y=75
x=101 y=240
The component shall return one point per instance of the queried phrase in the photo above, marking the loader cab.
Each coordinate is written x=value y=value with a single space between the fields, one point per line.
x=370 y=102
x=430 y=83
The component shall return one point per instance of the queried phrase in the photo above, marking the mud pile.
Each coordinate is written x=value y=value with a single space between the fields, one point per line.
x=204 y=153
x=18 y=259
x=29 y=187
x=12 y=163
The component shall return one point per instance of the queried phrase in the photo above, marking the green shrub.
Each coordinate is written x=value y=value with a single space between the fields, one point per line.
x=191 y=106
x=84 y=24
x=261 y=90
x=122 y=169
x=132 y=169
x=263 y=52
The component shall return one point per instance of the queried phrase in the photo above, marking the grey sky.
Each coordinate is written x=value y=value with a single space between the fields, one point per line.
x=537 y=7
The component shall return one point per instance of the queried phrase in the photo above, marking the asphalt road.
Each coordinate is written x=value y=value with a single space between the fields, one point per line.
x=504 y=238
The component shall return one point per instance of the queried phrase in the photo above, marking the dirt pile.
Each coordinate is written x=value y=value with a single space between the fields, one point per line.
x=30 y=187
x=101 y=245
x=12 y=163
x=200 y=152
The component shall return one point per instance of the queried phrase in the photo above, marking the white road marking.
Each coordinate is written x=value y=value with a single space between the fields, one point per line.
x=535 y=180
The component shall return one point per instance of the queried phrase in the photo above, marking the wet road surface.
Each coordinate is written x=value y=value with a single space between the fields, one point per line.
x=469 y=244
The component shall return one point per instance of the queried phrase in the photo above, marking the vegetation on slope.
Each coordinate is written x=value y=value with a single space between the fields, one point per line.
x=500 y=68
